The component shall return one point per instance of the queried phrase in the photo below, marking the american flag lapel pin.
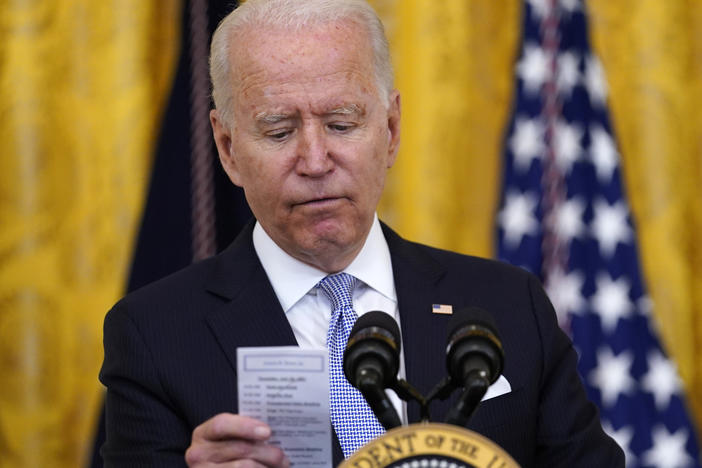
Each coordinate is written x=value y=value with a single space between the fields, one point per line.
x=446 y=309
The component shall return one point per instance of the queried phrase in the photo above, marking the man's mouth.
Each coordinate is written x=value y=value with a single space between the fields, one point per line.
x=320 y=201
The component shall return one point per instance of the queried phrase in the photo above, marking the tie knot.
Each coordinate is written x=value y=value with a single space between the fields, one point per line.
x=339 y=289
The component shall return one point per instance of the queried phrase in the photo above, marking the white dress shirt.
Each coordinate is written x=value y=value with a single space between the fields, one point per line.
x=308 y=312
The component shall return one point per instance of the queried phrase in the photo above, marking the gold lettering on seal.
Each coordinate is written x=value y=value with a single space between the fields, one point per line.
x=386 y=450
x=465 y=448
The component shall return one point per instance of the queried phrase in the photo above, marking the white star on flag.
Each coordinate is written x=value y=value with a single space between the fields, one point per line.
x=668 y=449
x=533 y=68
x=569 y=219
x=610 y=225
x=517 y=218
x=540 y=7
x=612 y=375
x=565 y=292
x=527 y=143
x=611 y=301
x=570 y=6
x=661 y=379
x=567 y=145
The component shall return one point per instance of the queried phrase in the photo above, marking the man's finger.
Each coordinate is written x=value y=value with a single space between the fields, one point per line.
x=228 y=450
x=231 y=426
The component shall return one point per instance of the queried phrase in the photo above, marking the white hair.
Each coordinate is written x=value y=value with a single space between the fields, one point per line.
x=294 y=15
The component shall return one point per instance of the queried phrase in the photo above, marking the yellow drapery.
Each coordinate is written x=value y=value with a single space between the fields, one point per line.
x=454 y=64
x=82 y=84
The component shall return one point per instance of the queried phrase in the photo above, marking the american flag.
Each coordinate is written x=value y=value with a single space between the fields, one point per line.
x=442 y=309
x=564 y=216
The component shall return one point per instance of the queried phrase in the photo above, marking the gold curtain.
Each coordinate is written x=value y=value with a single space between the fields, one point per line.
x=652 y=55
x=456 y=91
x=82 y=83
x=454 y=63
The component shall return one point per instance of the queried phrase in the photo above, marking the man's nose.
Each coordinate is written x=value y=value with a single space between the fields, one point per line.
x=313 y=157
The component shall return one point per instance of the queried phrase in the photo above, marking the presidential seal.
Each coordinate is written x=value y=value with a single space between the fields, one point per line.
x=430 y=445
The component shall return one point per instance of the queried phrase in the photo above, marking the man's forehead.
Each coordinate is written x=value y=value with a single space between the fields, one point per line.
x=278 y=48
x=314 y=28
x=275 y=75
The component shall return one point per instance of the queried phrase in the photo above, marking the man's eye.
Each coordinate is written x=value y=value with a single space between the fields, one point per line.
x=279 y=135
x=340 y=127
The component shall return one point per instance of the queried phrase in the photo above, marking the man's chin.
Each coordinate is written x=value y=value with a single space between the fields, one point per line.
x=329 y=247
x=334 y=240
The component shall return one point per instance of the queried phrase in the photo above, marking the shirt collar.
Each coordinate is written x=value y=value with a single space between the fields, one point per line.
x=292 y=279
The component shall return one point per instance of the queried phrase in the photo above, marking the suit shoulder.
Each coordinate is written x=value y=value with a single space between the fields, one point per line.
x=440 y=261
x=188 y=278
x=172 y=292
x=487 y=269
x=232 y=266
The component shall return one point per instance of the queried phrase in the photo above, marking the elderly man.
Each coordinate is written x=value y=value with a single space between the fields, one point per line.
x=308 y=123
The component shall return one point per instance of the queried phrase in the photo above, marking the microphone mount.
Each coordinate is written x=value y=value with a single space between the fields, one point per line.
x=371 y=363
x=474 y=360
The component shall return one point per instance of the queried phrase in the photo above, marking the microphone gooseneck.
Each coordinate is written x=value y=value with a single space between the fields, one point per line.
x=371 y=362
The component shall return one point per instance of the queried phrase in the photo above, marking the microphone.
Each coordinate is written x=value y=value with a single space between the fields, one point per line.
x=371 y=362
x=474 y=358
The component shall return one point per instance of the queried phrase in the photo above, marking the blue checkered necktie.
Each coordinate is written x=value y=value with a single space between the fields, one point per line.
x=354 y=422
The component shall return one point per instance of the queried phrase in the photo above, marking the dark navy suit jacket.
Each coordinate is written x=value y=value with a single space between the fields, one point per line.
x=170 y=355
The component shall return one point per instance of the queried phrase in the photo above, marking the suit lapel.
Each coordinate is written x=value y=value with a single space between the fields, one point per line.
x=251 y=315
x=417 y=280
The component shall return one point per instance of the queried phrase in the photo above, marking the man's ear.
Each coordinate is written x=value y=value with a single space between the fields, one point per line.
x=223 y=140
x=394 y=113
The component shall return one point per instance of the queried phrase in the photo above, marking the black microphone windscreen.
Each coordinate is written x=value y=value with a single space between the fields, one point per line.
x=377 y=319
x=371 y=361
x=473 y=316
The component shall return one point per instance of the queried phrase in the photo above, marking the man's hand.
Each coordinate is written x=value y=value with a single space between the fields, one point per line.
x=229 y=438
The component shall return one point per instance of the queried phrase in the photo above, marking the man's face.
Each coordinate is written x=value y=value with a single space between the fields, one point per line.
x=311 y=140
